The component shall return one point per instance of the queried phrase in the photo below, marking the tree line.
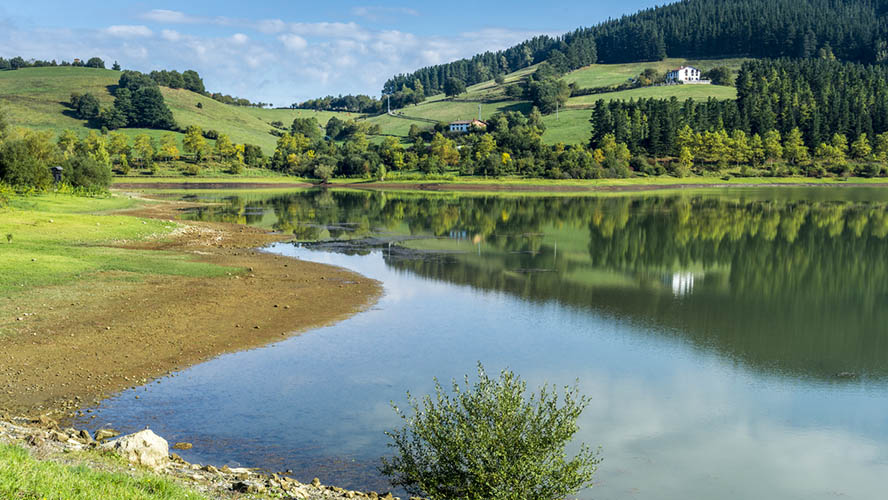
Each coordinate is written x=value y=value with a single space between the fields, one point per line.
x=816 y=115
x=852 y=30
x=19 y=62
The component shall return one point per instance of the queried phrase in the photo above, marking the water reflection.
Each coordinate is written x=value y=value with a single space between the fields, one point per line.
x=775 y=279
x=707 y=328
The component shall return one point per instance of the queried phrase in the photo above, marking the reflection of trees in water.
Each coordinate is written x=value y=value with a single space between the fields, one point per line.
x=790 y=286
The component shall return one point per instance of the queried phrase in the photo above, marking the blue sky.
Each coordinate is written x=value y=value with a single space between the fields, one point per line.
x=286 y=51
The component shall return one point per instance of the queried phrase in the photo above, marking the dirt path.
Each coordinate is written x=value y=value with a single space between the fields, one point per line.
x=78 y=343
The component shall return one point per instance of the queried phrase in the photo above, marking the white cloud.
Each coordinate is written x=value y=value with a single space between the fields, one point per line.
x=171 y=17
x=292 y=42
x=171 y=35
x=379 y=13
x=128 y=31
x=269 y=59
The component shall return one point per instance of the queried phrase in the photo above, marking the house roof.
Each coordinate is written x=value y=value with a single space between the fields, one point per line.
x=461 y=122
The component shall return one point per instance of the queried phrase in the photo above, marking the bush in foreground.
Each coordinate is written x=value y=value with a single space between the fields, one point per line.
x=489 y=441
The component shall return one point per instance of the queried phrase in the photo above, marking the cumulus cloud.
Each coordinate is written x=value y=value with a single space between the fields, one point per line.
x=128 y=31
x=262 y=59
x=293 y=42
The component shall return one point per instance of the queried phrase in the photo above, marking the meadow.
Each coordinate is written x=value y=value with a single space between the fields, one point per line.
x=37 y=97
x=54 y=239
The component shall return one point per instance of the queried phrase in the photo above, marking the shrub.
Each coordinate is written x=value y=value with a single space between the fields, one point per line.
x=487 y=441
x=84 y=172
x=21 y=168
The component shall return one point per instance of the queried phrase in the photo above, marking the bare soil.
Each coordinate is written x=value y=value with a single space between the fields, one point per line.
x=79 y=343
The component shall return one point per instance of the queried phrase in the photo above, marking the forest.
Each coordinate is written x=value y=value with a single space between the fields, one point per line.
x=851 y=30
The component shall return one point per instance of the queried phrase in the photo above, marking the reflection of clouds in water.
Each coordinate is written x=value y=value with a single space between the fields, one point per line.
x=708 y=435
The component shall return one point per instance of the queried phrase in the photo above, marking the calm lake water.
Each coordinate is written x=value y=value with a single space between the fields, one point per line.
x=734 y=343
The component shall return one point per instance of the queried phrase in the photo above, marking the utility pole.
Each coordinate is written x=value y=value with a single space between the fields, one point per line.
x=556 y=109
x=479 y=111
x=389 y=103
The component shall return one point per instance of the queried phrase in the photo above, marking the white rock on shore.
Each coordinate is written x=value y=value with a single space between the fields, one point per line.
x=143 y=448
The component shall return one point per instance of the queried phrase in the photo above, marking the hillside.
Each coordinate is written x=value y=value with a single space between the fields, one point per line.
x=37 y=97
x=571 y=126
x=852 y=30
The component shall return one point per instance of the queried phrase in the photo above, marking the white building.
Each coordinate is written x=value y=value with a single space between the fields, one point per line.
x=464 y=126
x=686 y=74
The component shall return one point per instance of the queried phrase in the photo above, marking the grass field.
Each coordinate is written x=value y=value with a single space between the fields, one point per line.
x=22 y=476
x=55 y=239
x=36 y=97
x=602 y=75
x=571 y=126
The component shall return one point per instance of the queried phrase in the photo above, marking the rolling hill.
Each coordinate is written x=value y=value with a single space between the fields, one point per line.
x=37 y=97
x=571 y=125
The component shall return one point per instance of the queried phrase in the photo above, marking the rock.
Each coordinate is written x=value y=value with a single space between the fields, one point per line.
x=103 y=434
x=47 y=422
x=182 y=446
x=226 y=469
x=210 y=468
x=84 y=436
x=248 y=487
x=316 y=482
x=58 y=436
x=143 y=448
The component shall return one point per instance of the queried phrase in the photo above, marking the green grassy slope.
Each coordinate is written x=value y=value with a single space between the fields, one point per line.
x=572 y=125
x=36 y=97
x=602 y=75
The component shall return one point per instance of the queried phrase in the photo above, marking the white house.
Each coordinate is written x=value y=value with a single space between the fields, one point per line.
x=686 y=74
x=464 y=126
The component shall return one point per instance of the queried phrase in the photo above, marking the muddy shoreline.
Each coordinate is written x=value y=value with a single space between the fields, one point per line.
x=82 y=343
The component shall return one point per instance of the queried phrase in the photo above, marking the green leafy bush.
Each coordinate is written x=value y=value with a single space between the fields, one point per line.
x=487 y=441
x=84 y=172
x=19 y=166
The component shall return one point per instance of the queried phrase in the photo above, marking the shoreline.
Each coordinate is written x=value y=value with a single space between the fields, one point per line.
x=77 y=347
x=504 y=186
x=45 y=441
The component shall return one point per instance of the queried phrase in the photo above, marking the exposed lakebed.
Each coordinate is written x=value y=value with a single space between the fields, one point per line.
x=734 y=342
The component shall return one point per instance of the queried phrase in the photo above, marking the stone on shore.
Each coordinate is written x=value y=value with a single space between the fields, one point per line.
x=143 y=448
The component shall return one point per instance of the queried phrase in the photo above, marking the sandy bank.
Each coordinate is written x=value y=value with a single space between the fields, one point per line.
x=76 y=344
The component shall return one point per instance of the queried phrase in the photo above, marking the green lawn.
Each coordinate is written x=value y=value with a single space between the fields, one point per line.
x=56 y=239
x=23 y=477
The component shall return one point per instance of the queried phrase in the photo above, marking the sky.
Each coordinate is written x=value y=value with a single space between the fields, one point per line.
x=283 y=52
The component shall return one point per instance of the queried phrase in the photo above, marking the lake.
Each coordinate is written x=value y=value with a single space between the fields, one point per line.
x=734 y=342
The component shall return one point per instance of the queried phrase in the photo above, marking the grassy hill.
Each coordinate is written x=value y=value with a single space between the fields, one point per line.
x=37 y=97
x=571 y=126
